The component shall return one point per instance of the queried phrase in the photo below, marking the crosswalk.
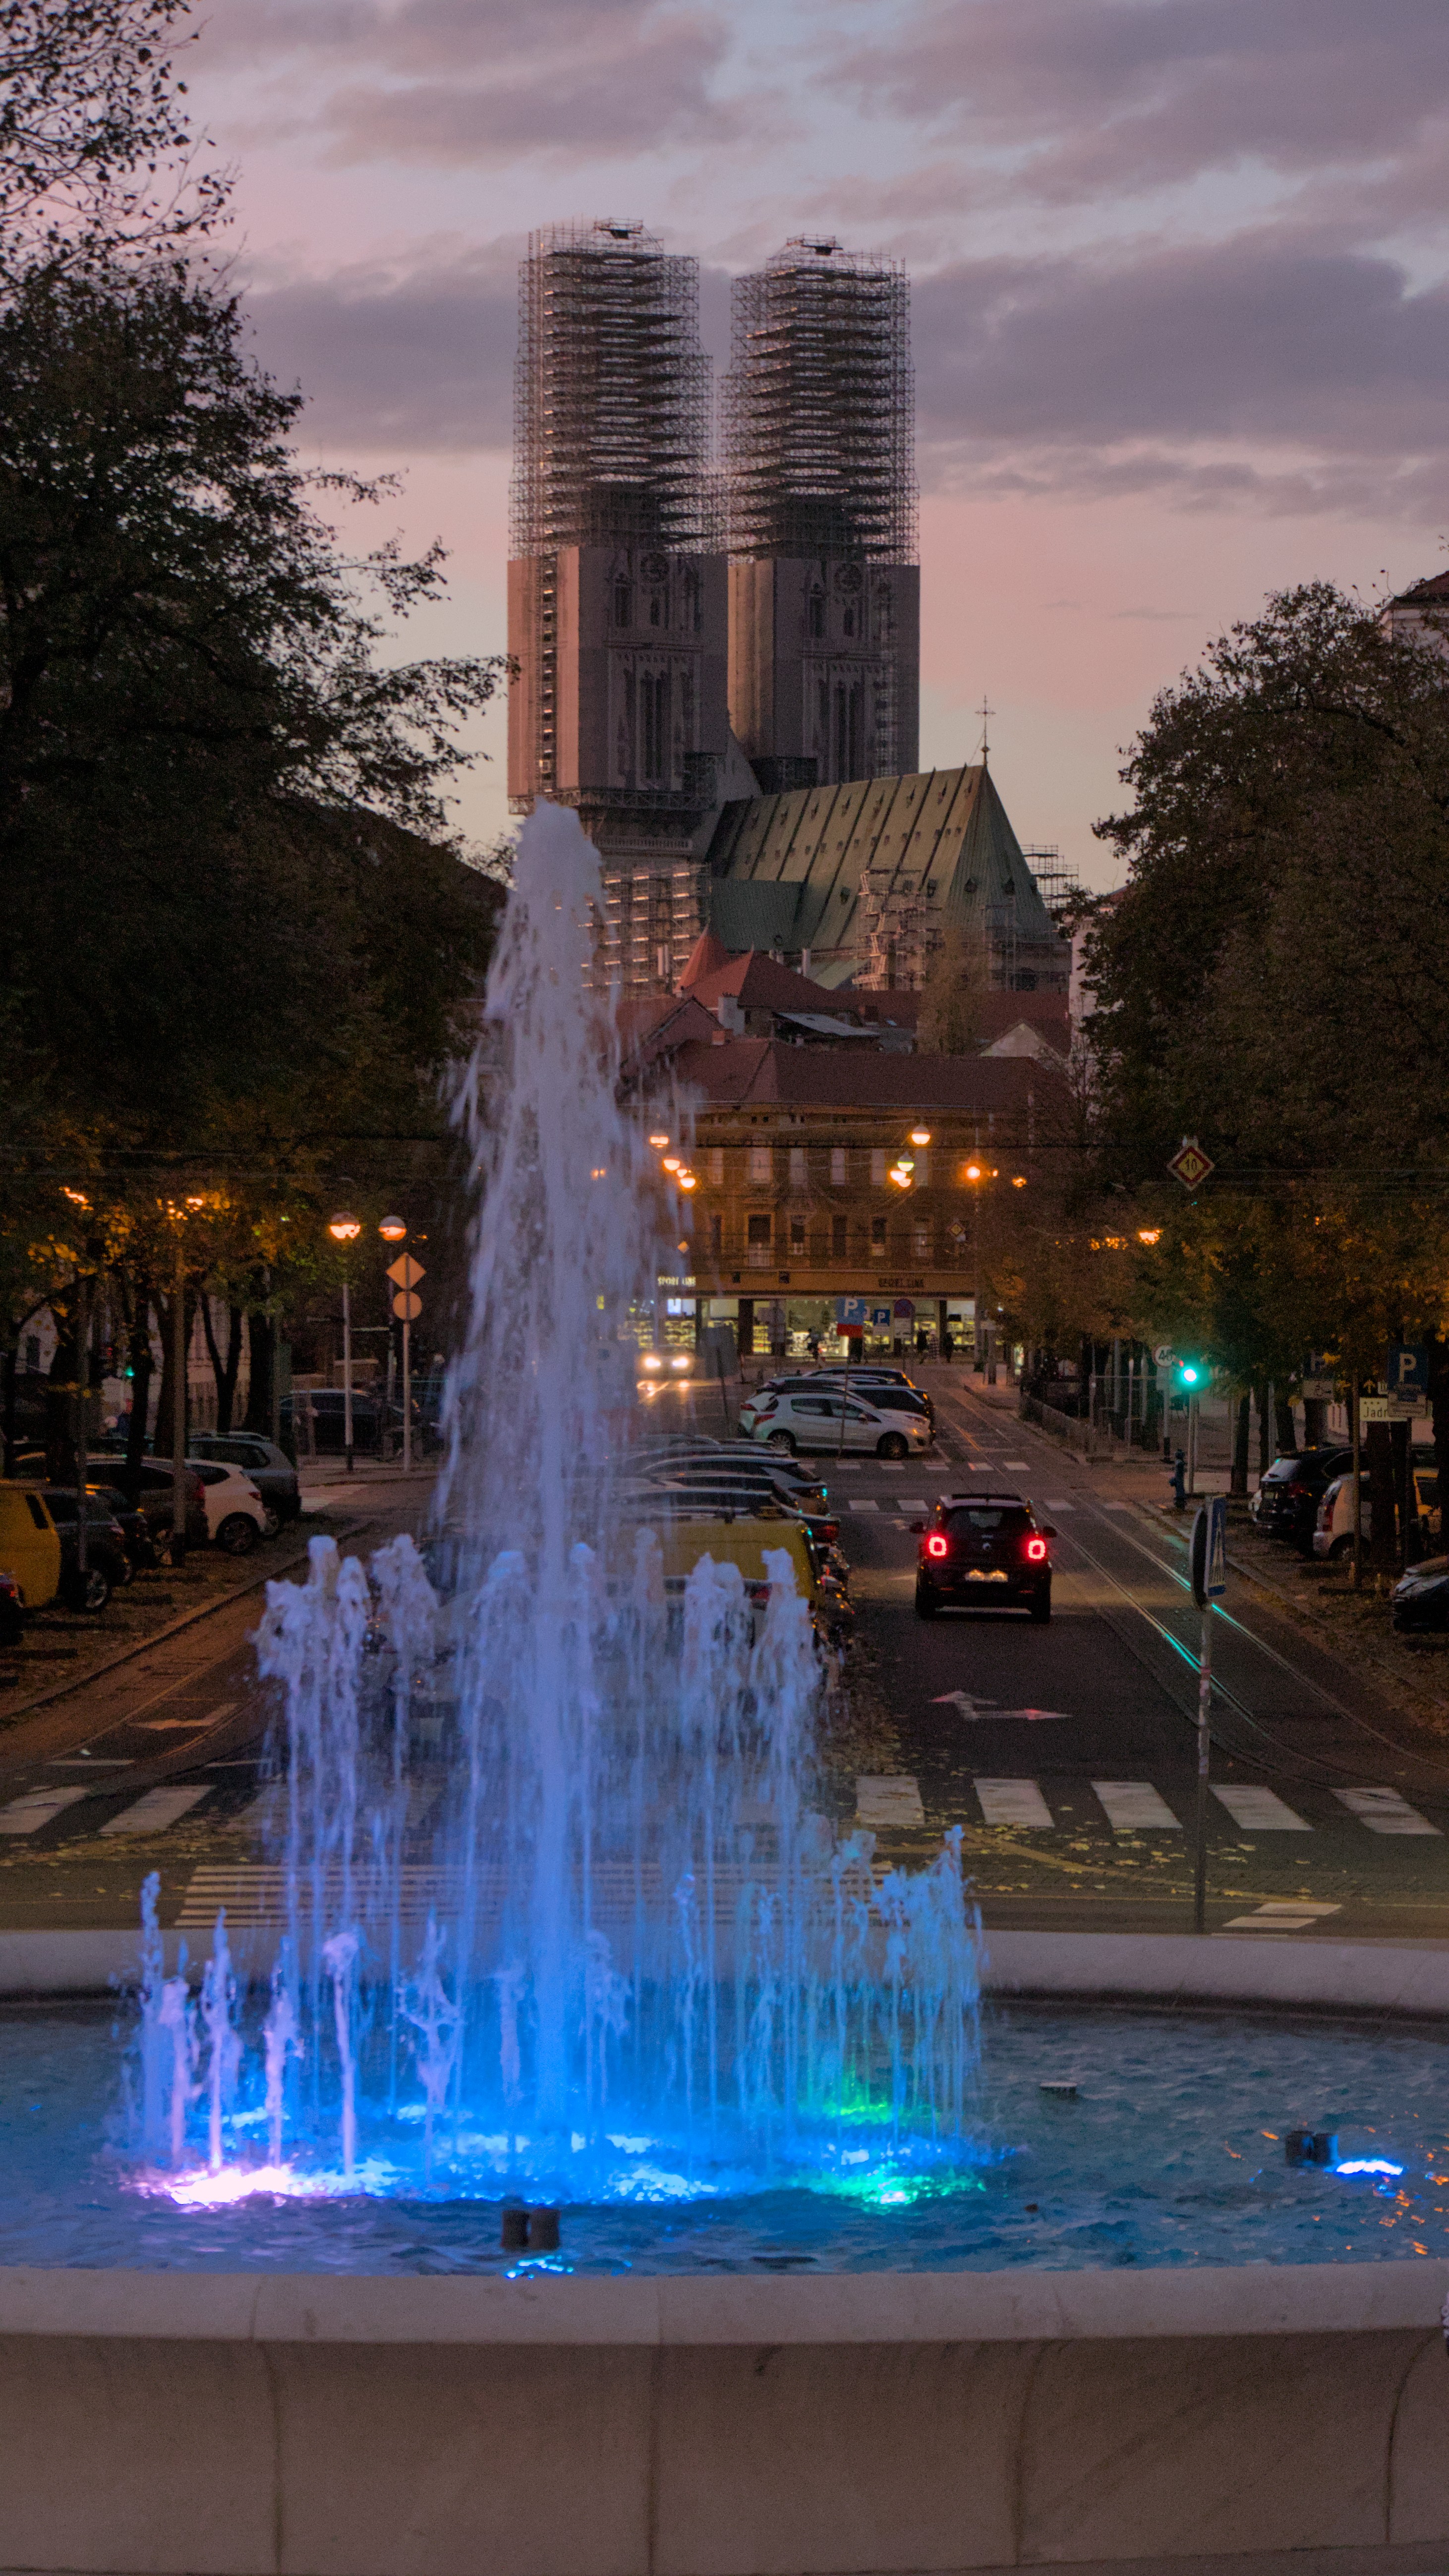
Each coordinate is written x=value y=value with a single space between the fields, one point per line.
x=1132 y=1806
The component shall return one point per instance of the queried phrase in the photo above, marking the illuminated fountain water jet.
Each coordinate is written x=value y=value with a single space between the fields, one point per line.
x=558 y=1912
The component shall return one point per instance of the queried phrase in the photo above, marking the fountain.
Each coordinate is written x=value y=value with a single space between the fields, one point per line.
x=560 y=1919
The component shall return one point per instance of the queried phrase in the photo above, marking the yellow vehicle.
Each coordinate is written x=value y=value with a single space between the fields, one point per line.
x=744 y=1540
x=29 y=1546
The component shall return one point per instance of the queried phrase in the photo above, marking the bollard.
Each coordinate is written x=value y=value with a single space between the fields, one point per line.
x=543 y=2231
x=1311 y=2146
x=514 y=2235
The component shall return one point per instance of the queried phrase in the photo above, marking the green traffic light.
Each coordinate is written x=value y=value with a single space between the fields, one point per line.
x=1189 y=1374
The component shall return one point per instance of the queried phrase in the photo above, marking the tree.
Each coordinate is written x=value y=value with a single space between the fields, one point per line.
x=950 y=1014
x=96 y=159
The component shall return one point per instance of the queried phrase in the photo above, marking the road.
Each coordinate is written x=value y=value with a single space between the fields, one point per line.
x=1066 y=1754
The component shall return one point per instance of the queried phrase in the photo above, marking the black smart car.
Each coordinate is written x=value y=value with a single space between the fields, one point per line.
x=984 y=1552
x=1286 y=1502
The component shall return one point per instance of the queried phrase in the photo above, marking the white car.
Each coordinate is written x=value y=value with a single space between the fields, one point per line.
x=1333 y=1528
x=785 y=1419
x=236 y=1516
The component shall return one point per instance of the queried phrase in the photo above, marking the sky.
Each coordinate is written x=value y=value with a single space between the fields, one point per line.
x=1179 y=296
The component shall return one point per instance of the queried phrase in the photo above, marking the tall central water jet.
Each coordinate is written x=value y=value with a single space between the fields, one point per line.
x=555 y=1888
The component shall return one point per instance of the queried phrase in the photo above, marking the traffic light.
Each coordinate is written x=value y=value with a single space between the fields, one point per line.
x=1192 y=1376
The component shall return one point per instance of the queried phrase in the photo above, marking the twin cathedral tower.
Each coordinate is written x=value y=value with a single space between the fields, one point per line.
x=685 y=633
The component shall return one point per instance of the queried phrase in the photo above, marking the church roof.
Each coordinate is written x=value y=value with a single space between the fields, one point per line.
x=941 y=832
x=757 y=983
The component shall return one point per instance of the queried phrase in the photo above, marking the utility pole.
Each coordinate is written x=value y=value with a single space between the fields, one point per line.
x=83 y=1388
x=1355 y=1433
x=1208 y=1561
x=178 y=1401
x=345 y=1230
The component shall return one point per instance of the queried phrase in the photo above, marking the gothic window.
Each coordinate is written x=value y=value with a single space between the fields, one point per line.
x=848 y=618
x=623 y=603
x=658 y=608
x=654 y=712
x=815 y=613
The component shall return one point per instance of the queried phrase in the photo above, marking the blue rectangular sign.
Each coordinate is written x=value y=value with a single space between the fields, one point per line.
x=852 y=1314
x=1408 y=1370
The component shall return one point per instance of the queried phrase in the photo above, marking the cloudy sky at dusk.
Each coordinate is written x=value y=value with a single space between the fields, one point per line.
x=1181 y=326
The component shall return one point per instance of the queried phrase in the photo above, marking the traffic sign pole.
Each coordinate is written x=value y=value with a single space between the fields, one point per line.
x=1207 y=1560
x=405 y=1274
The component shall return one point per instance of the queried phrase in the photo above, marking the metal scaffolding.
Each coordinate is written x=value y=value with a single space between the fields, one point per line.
x=611 y=395
x=819 y=409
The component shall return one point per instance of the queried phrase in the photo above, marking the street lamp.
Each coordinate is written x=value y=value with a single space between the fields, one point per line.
x=345 y=1230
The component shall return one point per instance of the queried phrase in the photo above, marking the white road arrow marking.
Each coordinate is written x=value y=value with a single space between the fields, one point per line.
x=986 y=1711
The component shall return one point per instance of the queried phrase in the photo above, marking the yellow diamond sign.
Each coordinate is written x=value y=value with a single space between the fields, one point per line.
x=1190 y=1164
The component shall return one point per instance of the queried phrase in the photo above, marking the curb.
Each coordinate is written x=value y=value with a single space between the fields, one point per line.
x=158 y=1636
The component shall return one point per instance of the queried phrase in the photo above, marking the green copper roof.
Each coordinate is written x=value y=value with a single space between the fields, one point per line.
x=943 y=832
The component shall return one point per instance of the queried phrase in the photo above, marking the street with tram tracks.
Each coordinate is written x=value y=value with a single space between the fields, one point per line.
x=1064 y=1753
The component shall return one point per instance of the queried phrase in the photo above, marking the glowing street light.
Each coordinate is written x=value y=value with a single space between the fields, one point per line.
x=1149 y=1234
x=393 y=1229
x=659 y=1143
x=345 y=1230
x=920 y=1135
x=687 y=1180
x=671 y=1162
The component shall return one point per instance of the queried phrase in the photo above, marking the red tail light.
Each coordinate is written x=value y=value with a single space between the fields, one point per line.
x=1036 y=1550
x=936 y=1546
x=830 y=1530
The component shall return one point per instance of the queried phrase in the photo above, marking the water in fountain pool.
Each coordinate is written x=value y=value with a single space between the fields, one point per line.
x=1172 y=2153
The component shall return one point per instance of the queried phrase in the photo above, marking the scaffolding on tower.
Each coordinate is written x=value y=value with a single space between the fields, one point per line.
x=611 y=395
x=819 y=409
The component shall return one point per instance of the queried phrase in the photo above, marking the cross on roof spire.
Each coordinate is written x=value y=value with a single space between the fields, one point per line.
x=986 y=713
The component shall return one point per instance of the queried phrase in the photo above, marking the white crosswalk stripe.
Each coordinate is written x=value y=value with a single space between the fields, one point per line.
x=1384 y=1811
x=26 y=1815
x=1260 y=1811
x=1014 y=1802
x=889 y=1799
x=1135 y=1807
x=157 y=1809
x=863 y=1503
x=909 y=1503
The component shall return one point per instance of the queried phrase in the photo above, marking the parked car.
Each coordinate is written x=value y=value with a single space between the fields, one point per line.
x=142 y=1551
x=1286 y=1502
x=154 y=1490
x=107 y=1566
x=270 y=1470
x=877 y=1384
x=29 y=1553
x=800 y=1418
x=236 y=1516
x=1333 y=1526
x=783 y=1475
x=1420 y=1602
x=984 y=1552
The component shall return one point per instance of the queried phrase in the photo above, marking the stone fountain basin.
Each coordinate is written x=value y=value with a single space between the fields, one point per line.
x=865 y=2424
x=233 y=2425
